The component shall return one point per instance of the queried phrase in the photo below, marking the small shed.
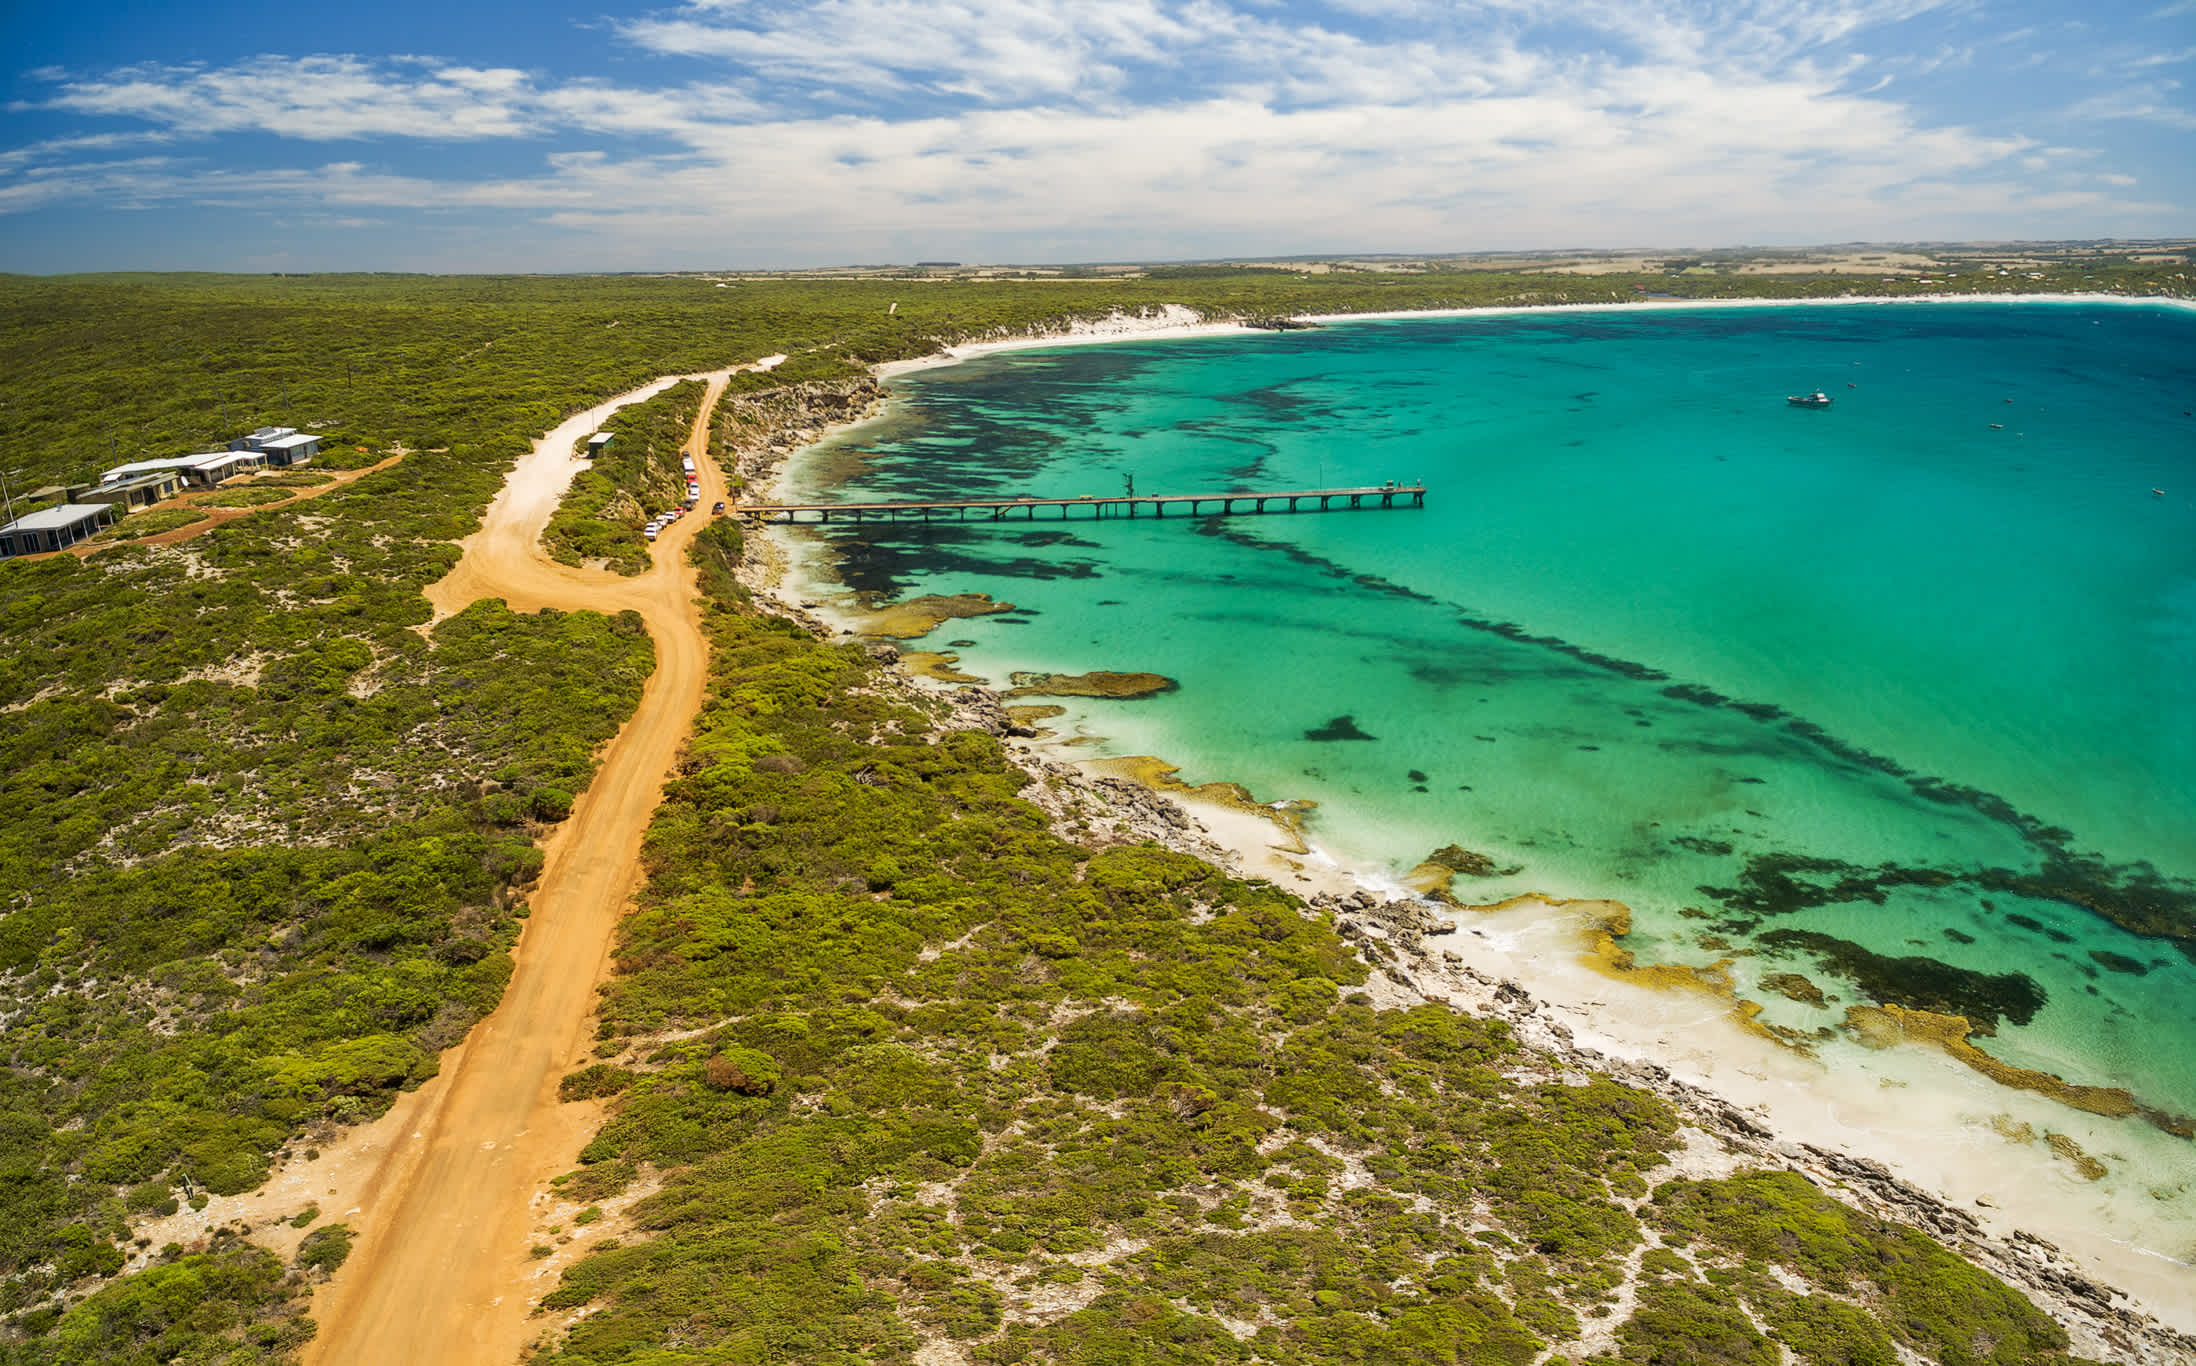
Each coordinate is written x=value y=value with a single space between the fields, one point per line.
x=599 y=442
x=54 y=528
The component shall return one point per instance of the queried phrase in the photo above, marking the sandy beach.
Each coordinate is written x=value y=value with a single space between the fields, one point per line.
x=1978 y=1147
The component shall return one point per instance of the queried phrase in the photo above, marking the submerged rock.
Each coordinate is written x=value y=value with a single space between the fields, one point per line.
x=1794 y=986
x=921 y=616
x=1340 y=728
x=1101 y=683
x=1458 y=859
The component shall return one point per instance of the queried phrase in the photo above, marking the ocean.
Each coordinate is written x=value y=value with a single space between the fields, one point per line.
x=1893 y=696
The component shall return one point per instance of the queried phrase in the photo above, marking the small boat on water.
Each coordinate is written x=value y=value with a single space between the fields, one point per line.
x=1817 y=399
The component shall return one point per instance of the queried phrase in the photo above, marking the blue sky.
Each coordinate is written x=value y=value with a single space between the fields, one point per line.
x=741 y=133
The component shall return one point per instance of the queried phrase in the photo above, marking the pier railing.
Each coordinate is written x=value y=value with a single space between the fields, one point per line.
x=1157 y=505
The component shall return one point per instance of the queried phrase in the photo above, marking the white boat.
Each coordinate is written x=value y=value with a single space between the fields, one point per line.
x=1817 y=399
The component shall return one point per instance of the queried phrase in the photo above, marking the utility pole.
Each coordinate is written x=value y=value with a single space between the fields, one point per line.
x=6 y=494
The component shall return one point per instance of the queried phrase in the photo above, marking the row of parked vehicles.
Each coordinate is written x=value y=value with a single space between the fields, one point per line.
x=693 y=495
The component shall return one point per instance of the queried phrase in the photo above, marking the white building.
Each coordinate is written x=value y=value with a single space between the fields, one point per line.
x=204 y=470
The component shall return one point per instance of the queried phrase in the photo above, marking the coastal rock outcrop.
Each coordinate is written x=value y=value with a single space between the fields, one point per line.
x=1099 y=683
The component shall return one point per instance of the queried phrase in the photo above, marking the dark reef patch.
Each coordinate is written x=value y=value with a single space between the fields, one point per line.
x=2119 y=962
x=2133 y=896
x=1340 y=728
x=2035 y=926
x=873 y=561
x=1700 y=844
x=1984 y=999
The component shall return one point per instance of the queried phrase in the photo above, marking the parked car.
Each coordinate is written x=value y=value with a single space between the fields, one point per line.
x=718 y=510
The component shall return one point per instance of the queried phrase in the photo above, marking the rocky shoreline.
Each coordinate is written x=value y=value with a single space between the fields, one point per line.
x=1398 y=939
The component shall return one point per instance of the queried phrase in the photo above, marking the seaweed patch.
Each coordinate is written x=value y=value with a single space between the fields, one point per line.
x=1920 y=983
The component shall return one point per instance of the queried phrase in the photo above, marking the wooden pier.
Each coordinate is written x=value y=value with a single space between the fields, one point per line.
x=1157 y=505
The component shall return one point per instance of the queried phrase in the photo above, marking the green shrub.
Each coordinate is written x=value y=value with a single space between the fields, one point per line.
x=593 y=1082
x=325 y=1249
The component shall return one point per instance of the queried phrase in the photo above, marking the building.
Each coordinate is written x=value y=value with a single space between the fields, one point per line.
x=135 y=491
x=55 y=528
x=256 y=439
x=295 y=448
x=599 y=442
x=205 y=471
x=281 y=445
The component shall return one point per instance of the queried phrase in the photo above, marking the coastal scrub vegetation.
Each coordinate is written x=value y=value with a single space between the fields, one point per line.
x=897 y=1063
x=266 y=833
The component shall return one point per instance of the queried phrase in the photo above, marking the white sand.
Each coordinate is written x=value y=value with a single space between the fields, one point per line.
x=1171 y=322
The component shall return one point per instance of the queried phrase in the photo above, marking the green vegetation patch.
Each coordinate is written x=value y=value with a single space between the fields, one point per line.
x=234 y=1306
x=1923 y=1295
x=151 y=522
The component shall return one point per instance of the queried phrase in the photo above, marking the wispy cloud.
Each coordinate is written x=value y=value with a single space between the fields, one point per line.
x=315 y=98
x=2145 y=102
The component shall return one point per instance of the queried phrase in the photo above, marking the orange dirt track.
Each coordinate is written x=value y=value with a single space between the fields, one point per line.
x=442 y=1271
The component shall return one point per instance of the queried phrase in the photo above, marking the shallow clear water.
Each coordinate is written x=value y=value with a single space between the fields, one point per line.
x=1654 y=630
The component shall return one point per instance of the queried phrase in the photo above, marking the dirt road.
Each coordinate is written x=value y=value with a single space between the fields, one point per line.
x=441 y=1272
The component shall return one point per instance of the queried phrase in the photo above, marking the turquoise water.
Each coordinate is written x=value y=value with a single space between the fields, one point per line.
x=1910 y=675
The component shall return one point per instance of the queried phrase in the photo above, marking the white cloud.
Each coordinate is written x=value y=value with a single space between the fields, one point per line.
x=1132 y=127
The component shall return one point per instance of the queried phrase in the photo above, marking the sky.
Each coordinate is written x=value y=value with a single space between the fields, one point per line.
x=564 y=135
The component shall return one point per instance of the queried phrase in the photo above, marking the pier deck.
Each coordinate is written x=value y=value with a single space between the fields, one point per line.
x=1158 y=505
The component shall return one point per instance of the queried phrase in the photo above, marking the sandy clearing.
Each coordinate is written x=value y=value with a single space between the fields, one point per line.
x=443 y=1190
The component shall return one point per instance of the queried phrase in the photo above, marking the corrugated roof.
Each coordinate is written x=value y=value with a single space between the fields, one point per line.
x=53 y=519
x=283 y=443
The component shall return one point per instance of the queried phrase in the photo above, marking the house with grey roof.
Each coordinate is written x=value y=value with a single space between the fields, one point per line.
x=54 y=528
x=281 y=445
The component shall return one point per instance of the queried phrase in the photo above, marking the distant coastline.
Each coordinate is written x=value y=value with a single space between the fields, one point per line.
x=1173 y=322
